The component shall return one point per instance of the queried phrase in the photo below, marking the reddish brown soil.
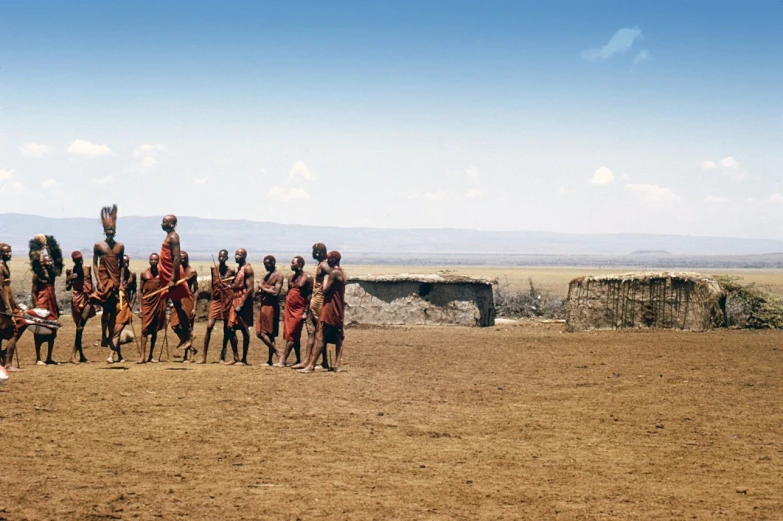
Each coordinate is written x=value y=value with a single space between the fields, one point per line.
x=512 y=422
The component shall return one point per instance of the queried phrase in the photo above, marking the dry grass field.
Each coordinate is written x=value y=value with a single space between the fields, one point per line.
x=519 y=421
x=550 y=279
x=555 y=280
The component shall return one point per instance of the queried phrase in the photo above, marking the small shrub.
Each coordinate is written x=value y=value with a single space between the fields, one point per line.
x=747 y=306
x=531 y=303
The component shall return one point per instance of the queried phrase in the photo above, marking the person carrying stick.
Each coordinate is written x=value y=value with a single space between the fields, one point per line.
x=220 y=307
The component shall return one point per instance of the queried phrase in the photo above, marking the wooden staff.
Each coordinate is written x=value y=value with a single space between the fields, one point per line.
x=133 y=329
x=164 y=288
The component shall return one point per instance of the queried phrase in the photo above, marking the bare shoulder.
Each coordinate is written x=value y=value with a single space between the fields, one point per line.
x=172 y=237
x=248 y=269
x=146 y=275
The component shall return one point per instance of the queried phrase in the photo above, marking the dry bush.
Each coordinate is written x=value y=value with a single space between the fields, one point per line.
x=749 y=307
x=531 y=303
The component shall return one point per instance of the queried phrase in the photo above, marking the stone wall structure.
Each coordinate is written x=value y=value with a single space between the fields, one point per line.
x=685 y=301
x=419 y=299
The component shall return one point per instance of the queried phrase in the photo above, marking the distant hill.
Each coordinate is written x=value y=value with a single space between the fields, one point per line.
x=203 y=237
x=651 y=253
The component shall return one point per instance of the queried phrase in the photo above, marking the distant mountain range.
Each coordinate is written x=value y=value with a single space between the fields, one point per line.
x=203 y=237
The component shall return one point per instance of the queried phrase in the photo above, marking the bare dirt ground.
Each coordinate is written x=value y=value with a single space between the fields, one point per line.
x=520 y=421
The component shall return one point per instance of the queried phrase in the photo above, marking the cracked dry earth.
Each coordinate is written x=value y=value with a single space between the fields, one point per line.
x=513 y=422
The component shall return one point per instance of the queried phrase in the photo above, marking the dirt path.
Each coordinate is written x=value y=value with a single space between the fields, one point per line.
x=513 y=422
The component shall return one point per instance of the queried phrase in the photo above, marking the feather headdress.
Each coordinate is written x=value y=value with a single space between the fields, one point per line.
x=109 y=216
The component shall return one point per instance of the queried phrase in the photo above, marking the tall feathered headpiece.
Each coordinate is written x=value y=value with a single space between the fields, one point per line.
x=41 y=245
x=109 y=216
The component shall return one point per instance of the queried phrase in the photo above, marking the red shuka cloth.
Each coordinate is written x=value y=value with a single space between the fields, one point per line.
x=166 y=270
x=292 y=318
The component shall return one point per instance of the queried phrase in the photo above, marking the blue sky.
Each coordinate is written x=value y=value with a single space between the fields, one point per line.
x=661 y=117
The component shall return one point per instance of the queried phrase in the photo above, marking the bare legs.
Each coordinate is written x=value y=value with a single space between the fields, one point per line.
x=183 y=331
x=270 y=343
x=320 y=349
x=9 y=352
x=143 y=358
x=39 y=341
x=312 y=333
x=245 y=342
x=288 y=347
x=228 y=336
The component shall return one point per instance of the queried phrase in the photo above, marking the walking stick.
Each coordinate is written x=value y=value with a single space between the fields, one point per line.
x=133 y=329
x=165 y=344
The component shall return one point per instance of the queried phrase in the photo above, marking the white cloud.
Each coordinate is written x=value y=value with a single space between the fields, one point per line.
x=716 y=199
x=472 y=172
x=425 y=196
x=12 y=187
x=49 y=183
x=82 y=147
x=9 y=185
x=642 y=57
x=200 y=180
x=474 y=193
x=103 y=180
x=148 y=154
x=146 y=149
x=602 y=176
x=300 y=169
x=730 y=162
x=728 y=165
x=776 y=198
x=653 y=193
x=34 y=150
x=148 y=163
x=293 y=194
x=618 y=44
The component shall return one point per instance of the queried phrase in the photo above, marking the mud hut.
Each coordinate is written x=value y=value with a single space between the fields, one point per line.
x=685 y=301
x=404 y=299
x=419 y=299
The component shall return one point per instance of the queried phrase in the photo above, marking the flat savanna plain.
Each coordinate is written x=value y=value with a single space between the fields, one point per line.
x=551 y=279
x=518 y=421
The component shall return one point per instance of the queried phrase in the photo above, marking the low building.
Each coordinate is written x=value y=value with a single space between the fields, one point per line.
x=419 y=299
x=685 y=301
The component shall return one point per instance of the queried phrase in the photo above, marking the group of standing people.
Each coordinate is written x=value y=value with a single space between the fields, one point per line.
x=313 y=302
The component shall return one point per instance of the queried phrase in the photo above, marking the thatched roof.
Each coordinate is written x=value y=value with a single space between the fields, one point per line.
x=642 y=276
x=445 y=278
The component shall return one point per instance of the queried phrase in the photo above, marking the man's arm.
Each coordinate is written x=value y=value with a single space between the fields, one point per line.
x=143 y=278
x=6 y=274
x=249 y=284
x=307 y=286
x=193 y=282
x=122 y=264
x=334 y=274
x=173 y=240
x=275 y=287
x=96 y=258
x=68 y=280
x=131 y=287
